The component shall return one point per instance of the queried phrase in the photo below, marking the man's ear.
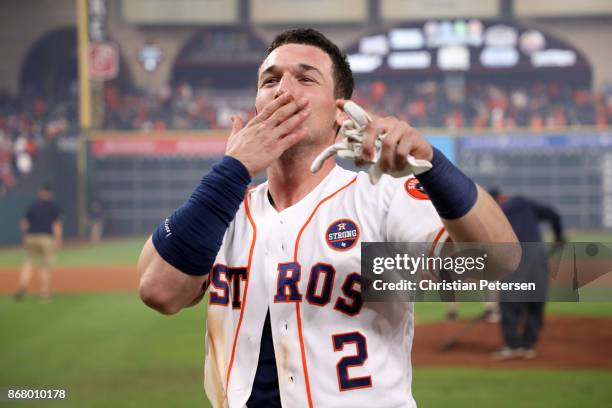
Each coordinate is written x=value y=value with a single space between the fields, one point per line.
x=341 y=116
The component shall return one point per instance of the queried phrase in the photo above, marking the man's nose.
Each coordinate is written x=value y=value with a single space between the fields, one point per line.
x=285 y=84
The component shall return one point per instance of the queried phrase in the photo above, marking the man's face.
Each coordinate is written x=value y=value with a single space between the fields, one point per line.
x=304 y=71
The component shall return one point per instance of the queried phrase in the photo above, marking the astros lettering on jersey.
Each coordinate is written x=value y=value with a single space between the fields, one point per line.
x=303 y=264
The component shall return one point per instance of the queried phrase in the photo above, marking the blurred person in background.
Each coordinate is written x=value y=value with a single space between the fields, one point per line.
x=7 y=177
x=96 y=221
x=521 y=322
x=42 y=229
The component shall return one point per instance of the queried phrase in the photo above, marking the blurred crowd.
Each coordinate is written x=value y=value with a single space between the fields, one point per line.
x=179 y=108
x=536 y=106
x=25 y=126
x=27 y=123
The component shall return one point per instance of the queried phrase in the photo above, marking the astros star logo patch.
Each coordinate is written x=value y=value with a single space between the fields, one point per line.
x=342 y=235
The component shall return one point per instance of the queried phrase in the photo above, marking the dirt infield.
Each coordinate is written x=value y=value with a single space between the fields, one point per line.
x=566 y=342
x=81 y=279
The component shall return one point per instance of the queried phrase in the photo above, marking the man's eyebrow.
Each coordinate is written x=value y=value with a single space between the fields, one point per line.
x=306 y=67
x=301 y=67
x=270 y=69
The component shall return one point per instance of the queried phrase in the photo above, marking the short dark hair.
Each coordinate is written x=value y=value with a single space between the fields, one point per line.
x=343 y=76
x=46 y=187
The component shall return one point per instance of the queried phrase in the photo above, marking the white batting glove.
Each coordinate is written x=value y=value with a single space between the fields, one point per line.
x=351 y=147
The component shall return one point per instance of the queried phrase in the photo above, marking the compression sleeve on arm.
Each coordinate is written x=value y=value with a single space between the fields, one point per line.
x=451 y=192
x=190 y=238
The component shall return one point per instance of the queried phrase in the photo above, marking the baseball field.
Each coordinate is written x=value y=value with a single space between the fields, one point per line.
x=100 y=343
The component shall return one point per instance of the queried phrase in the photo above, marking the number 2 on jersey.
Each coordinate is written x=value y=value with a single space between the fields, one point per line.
x=345 y=382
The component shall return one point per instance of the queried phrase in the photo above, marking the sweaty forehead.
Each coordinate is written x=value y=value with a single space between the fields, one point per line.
x=290 y=56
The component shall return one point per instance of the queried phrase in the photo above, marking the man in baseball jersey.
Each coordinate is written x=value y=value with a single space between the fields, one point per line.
x=286 y=321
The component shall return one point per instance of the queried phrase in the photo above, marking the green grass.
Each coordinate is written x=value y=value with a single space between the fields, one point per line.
x=110 y=350
x=590 y=236
x=107 y=350
x=472 y=387
x=108 y=253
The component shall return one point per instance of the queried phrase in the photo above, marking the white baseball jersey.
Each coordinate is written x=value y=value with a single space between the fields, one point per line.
x=303 y=265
